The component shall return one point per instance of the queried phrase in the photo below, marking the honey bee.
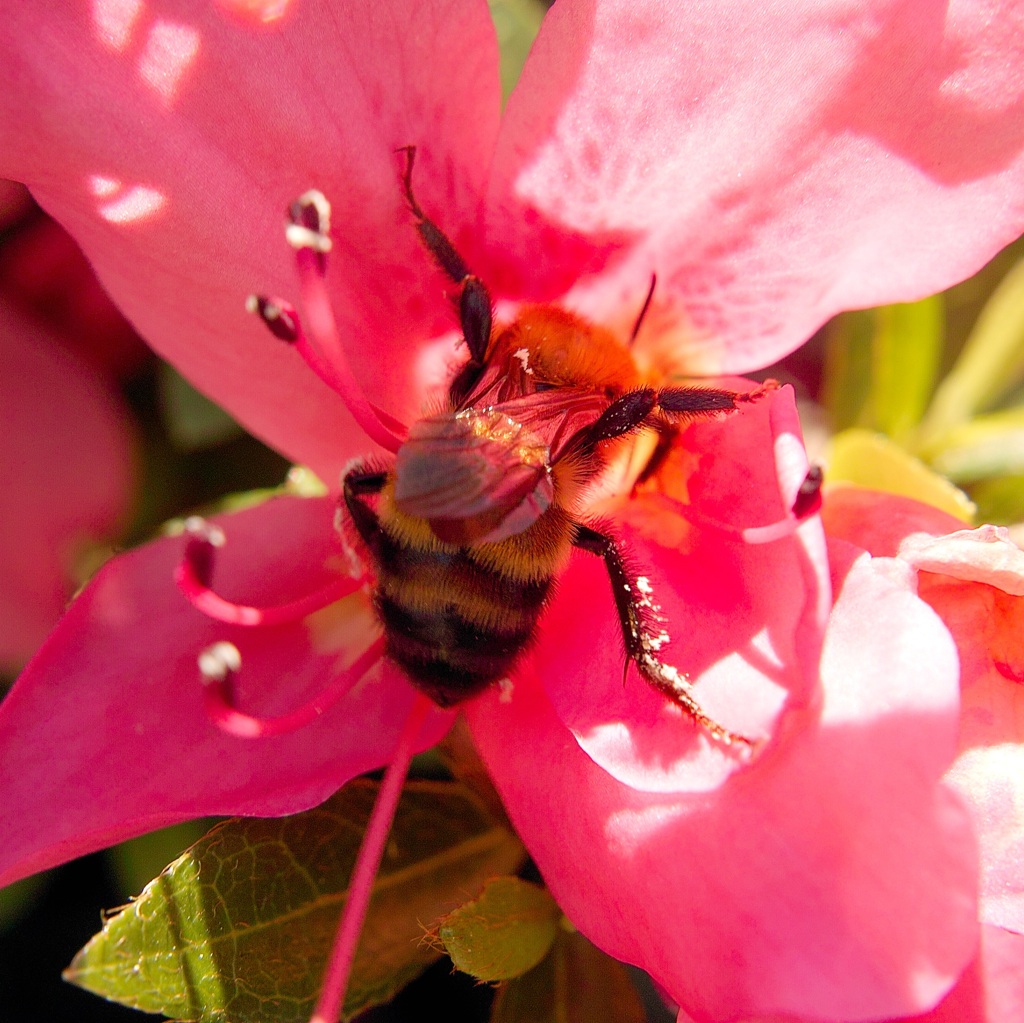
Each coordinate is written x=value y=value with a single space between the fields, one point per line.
x=473 y=522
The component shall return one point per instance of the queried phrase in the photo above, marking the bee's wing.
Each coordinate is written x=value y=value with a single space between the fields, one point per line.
x=484 y=474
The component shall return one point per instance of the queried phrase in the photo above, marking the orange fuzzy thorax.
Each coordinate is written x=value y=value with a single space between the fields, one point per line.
x=566 y=351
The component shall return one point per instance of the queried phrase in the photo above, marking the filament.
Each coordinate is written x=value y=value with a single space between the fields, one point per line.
x=308 y=232
x=283 y=322
x=360 y=887
x=218 y=665
x=194 y=574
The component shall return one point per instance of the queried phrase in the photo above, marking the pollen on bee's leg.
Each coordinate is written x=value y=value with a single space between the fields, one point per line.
x=678 y=688
x=194 y=577
x=360 y=886
x=664 y=677
x=221 y=662
x=308 y=232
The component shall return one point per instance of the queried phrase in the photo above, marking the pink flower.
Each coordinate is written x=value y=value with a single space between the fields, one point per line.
x=65 y=448
x=771 y=167
x=974 y=579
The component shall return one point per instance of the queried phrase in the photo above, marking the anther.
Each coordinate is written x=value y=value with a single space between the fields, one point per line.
x=808 y=495
x=217 y=663
x=280 y=317
x=322 y=350
x=220 y=662
x=309 y=224
x=194 y=577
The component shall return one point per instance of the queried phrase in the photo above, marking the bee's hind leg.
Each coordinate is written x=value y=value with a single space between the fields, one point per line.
x=643 y=635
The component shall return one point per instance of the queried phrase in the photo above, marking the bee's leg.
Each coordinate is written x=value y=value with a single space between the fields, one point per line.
x=634 y=408
x=474 y=299
x=643 y=635
x=358 y=484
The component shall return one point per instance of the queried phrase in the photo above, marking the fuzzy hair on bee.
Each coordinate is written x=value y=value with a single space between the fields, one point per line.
x=476 y=518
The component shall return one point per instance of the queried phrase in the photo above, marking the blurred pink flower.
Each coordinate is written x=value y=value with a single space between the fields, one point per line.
x=65 y=440
x=771 y=167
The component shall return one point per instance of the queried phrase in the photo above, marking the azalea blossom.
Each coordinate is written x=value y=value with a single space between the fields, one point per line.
x=768 y=168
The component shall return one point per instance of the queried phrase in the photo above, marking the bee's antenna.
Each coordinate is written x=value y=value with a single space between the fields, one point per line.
x=643 y=311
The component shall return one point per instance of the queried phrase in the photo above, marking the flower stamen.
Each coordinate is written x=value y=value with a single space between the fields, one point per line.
x=221 y=662
x=194 y=575
x=283 y=322
x=308 y=232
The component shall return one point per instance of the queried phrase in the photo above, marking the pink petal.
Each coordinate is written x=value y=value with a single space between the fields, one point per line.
x=991 y=989
x=104 y=735
x=972 y=578
x=65 y=458
x=169 y=140
x=747 y=619
x=834 y=878
x=878 y=522
x=984 y=555
x=14 y=201
x=988 y=626
x=773 y=164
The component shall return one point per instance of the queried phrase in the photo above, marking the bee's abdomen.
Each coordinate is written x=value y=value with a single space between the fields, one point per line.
x=452 y=624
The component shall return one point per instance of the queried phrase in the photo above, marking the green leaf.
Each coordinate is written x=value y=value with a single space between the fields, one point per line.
x=870 y=460
x=991 y=363
x=881 y=365
x=846 y=374
x=576 y=983
x=134 y=862
x=192 y=421
x=238 y=928
x=991 y=445
x=906 y=352
x=516 y=23
x=504 y=932
x=1000 y=500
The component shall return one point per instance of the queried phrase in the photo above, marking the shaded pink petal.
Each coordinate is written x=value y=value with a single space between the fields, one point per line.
x=834 y=879
x=170 y=140
x=104 y=735
x=773 y=164
x=44 y=271
x=14 y=201
x=65 y=462
x=738 y=615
